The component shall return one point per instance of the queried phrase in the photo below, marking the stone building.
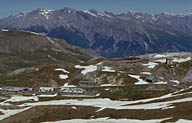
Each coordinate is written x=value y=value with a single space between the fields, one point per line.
x=169 y=60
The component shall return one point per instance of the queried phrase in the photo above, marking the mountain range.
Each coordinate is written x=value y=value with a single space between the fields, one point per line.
x=107 y=34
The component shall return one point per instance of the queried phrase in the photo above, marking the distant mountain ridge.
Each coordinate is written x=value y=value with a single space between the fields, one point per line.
x=108 y=34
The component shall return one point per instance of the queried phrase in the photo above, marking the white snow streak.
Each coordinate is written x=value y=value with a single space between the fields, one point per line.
x=62 y=76
x=108 y=120
x=151 y=65
x=87 y=69
x=61 y=69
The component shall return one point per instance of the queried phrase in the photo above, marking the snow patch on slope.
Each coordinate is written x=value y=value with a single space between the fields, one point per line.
x=151 y=65
x=20 y=98
x=146 y=73
x=180 y=60
x=107 y=69
x=46 y=13
x=140 y=81
x=61 y=69
x=90 y=13
x=62 y=76
x=87 y=69
x=108 y=120
x=92 y=68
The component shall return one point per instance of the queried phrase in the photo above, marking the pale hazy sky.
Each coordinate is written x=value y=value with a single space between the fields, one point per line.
x=12 y=7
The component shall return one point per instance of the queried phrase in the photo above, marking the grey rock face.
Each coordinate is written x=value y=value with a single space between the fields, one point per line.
x=188 y=77
x=108 y=34
x=22 y=70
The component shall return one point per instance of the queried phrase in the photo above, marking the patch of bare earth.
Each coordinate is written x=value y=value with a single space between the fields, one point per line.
x=51 y=113
x=1 y=113
x=10 y=107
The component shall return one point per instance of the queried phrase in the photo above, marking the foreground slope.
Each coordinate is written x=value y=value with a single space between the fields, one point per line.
x=173 y=107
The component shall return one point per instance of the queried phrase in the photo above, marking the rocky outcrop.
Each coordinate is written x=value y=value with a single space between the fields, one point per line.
x=188 y=77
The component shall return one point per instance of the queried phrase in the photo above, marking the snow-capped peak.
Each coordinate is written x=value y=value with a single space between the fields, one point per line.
x=45 y=12
x=21 y=15
x=69 y=10
x=105 y=15
x=91 y=13
x=97 y=14
x=154 y=18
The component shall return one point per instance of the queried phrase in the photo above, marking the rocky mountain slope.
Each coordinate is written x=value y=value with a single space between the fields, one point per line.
x=108 y=34
x=20 y=49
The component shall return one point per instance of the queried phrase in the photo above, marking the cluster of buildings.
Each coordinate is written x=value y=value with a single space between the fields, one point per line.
x=73 y=90
x=61 y=90
x=169 y=60
x=68 y=90
x=16 y=90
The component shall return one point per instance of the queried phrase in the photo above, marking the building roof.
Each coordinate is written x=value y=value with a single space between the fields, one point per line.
x=71 y=90
x=46 y=87
x=150 y=77
x=87 y=82
x=15 y=89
